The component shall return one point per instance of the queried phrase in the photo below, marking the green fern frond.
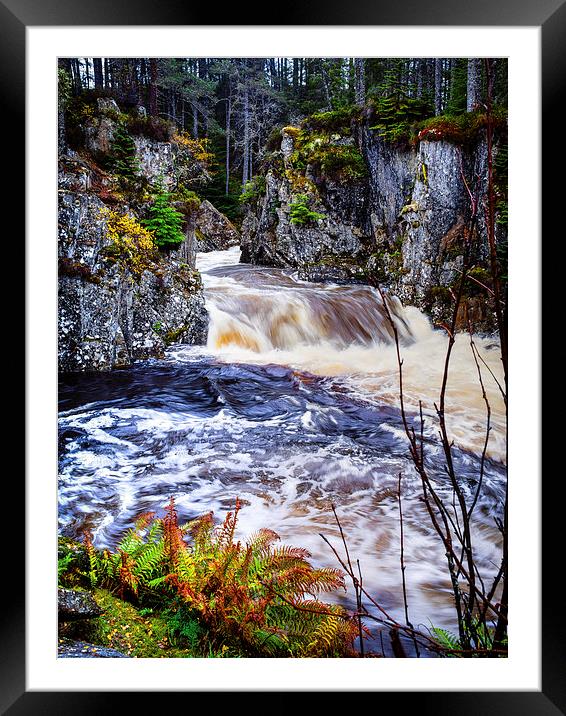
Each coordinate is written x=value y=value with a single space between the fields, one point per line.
x=148 y=560
x=272 y=642
x=324 y=637
x=63 y=565
x=186 y=568
x=155 y=532
x=157 y=582
x=446 y=638
x=130 y=542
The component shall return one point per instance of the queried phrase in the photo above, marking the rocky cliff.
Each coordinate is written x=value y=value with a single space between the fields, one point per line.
x=120 y=301
x=108 y=315
x=374 y=211
x=334 y=246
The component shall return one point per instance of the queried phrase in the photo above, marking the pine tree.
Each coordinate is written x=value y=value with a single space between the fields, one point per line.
x=123 y=161
x=164 y=221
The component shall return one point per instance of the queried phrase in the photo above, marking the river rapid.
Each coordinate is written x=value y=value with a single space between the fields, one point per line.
x=292 y=405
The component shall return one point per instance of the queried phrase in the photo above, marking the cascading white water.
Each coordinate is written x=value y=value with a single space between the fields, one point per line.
x=264 y=315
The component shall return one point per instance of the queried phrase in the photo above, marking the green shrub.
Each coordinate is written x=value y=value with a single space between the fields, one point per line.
x=338 y=121
x=300 y=212
x=252 y=190
x=480 y=635
x=164 y=222
x=152 y=127
x=189 y=199
x=396 y=113
x=344 y=162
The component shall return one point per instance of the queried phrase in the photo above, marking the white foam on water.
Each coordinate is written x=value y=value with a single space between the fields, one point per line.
x=262 y=322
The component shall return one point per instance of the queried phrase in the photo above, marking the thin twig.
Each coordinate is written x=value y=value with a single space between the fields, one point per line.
x=488 y=423
x=402 y=558
x=475 y=280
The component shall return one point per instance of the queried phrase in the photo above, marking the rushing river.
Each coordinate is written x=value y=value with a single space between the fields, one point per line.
x=292 y=406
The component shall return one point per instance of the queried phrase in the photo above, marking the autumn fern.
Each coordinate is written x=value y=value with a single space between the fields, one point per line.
x=257 y=597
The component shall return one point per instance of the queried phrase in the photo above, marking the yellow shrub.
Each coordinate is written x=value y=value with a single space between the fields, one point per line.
x=132 y=245
x=199 y=148
x=300 y=183
x=292 y=131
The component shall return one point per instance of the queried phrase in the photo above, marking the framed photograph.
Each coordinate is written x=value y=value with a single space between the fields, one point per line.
x=275 y=335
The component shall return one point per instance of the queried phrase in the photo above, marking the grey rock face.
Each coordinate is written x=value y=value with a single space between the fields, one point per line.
x=73 y=605
x=99 y=134
x=170 y=162
x=107 y=317
x=403 y=225
x=156 y=160
x=270 y=237
x=107 y=105
x=214 y=232
x=431 y=225
x=391 y=180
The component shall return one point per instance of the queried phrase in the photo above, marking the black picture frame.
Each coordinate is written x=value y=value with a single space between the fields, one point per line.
x=550 y=16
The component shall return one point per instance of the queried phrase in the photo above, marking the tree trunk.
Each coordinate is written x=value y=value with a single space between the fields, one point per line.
x=76 y=76
x=228 y=130
x=474 y=84
x=64 y=64
x=98 y=74
x=188 y=249
x=195 y=122
x=246 y=158
x=437 y=86
x=273 y=73
x=360 y=75
x=420 y=72
x=172 y=104
x=153 y=87
x=325 y=83
x=87 y=72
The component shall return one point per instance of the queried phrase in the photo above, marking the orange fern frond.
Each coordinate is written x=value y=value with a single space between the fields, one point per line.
x=128 y=579
x=143 y=520
x=172 y=534
x=328 y=579
x=262 y=539
x=226 y=533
